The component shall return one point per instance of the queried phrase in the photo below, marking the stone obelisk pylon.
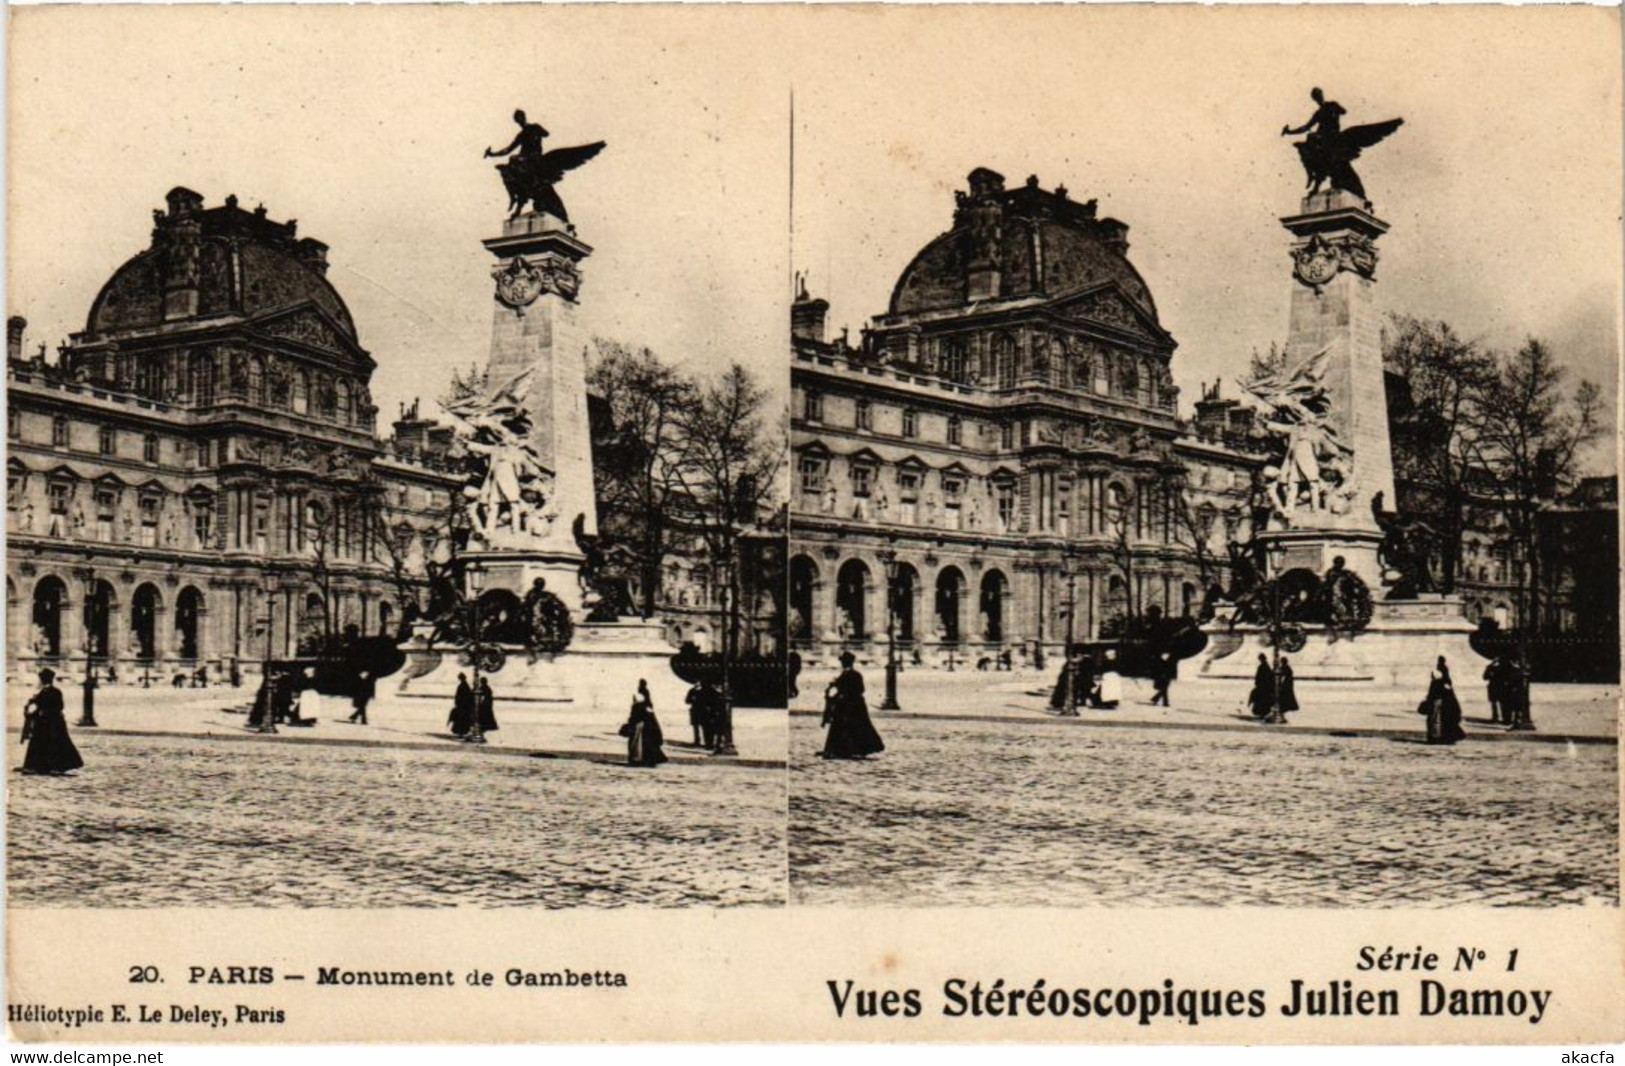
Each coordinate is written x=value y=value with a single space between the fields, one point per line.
x=536 y=339
x=1334 y=311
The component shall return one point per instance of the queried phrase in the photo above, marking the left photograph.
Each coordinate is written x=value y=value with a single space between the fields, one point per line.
x=395 y=478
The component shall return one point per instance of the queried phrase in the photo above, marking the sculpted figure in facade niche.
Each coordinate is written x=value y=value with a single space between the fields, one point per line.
x=881 y=505
x=27 y=520
x=830 y=495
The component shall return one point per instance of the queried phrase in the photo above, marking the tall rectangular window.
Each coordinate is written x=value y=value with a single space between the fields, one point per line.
x=106 y=512
x=203 y=524
x=149 y=448
x=106 y=441
x=14 y=423
x=149 y=521
x=812 y=476
x=911 y=422
x=862 y=415
x=1007 y=436
x=955 y=430
x=862 y=478
x=59 y=432
x=812 y=406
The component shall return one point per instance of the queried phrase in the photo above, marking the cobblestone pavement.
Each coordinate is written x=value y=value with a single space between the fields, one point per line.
x=1044 y=815
x=162 y=821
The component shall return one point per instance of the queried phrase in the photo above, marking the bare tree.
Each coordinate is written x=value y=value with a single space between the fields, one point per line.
x=1435 y=438
x=1530 y=433
x=731 y=463
x=637 y=460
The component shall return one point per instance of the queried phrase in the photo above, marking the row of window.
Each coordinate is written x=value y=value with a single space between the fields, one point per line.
x=863 y=418
x=107 y=439
x=954 y=433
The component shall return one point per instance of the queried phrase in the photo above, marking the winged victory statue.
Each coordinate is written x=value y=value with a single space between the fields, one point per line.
x=530 y=173
x=1329 y=151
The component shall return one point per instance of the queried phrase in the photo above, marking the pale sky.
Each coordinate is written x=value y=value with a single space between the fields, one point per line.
x=368 y=126
x=1503 y=187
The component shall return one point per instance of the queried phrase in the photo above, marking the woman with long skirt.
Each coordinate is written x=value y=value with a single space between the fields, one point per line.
x=1289 y=693
x=1442 y=708
x=1262 y=697
x=50 y=749
x=644 y=739
x=846 y=714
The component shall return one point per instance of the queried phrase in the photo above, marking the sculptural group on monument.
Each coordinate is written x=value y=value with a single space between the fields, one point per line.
x=509 y=492
x=1313 y=467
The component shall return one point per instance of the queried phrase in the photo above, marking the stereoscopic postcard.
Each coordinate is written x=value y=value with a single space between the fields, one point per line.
x=831 y=523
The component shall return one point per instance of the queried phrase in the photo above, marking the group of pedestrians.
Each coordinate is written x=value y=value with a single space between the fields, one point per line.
x=710 y=718
x=1508 y=691
x=1272 y=685
x=473 y=711
x=1080 y=684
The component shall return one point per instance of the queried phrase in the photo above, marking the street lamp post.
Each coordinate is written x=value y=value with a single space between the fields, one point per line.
x=476 y=584
x=87 y=707
x=268 y=721
x=888 y=557
x=1276 y=716
x=1070 y=705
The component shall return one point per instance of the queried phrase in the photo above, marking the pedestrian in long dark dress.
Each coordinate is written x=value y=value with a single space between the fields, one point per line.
x=1289 y=694
x=1262 y=697
x=1442 y=708
x=485 y=706
x=45 y=728
x=462 y=708
x=644 y=739
x=1076 y=671
x=851 y=734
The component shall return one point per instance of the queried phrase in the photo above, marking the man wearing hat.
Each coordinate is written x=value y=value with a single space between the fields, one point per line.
x=45 y=730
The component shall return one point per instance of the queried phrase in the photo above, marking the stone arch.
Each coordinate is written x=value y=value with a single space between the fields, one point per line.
x=995 y=590
x=1190 y=599
x=50 y=600
x=851 y=599
x=386 y=618
x=190 y=610
x=905 y=592
x=804 y=584
x=101 y=603
x=950 y=602
x=146 y=604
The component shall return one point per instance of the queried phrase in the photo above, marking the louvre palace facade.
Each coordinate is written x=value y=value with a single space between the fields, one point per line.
x=196 y=481
x=1002 y=448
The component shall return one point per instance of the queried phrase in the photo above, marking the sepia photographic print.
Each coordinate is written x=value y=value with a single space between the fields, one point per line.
x=1212 y=506
x=393 y=477
x=889 y=523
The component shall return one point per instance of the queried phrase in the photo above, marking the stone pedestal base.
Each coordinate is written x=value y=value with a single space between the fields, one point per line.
x=515 y=569
x=600 y=671
x=1398 y=649
x=1314 y=550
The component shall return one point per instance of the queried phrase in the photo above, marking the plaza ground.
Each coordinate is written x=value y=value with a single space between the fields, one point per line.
x=393 y=720
x=1559 y=711
x=983 y=798
x=180 y=821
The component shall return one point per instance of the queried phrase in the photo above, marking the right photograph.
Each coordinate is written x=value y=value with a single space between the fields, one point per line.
x=1204 y=487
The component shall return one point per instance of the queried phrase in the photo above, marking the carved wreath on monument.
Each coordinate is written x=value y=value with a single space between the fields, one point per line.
x=522 y=281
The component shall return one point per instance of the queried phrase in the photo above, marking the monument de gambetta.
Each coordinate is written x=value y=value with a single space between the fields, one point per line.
x=1327 y=575
x=523 y=599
